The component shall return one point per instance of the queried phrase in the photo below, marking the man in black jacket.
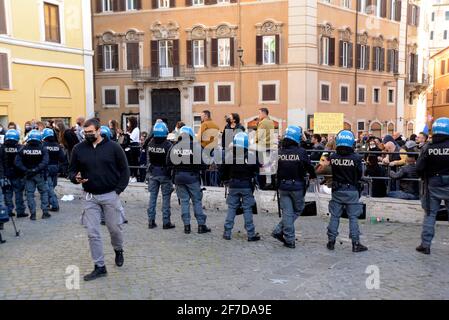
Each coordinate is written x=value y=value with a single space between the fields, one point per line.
x=101 y=167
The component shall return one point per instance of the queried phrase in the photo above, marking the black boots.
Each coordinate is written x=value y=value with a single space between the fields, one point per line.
x=226 y=237
x=422 y=249
x=169 y=226
x=46 y=215
x=187 y=229
x=279 y=237
x=97 y=273
x=358 y=247
x=33 y=217
x=1 y=226
x=290 y=245
x=54 y=209
x=331 y=245
x=152 y=224
x=22 y=215
x=119 y=260
x=254 y=238
x=203 y=229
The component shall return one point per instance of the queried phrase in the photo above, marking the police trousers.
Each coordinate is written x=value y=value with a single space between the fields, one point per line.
x=438 y=190
x=14 y=193
x=52 y=197
x=38 y=181
x=165 y=184
x=345 y=199
x=187 y=192
x=245 y=199
x=292 y=205
x=94 y=205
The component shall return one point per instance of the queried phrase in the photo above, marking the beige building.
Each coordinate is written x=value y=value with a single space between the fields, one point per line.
x=438 y=97
x=172 y=59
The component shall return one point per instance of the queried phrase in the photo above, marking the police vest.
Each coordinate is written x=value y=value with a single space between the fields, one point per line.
x=346 y=169
x=54 y=151
x=291 y=164
x=32 y=156
x=438 y=158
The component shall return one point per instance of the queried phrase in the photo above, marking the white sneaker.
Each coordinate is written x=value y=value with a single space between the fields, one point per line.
x=133 y=180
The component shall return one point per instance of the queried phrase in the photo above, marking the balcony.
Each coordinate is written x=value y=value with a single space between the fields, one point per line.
x=413 y=84
x=164 y=74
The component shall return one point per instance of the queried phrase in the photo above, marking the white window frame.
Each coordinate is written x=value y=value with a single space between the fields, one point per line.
x=197 y=3
x=60 y=4
x=126 y=97
x=117 y=97
x=196 y=126
x=325 y=51
x=339 y=93
x=345 y=54
x=111 y=6
x=9 y=60
x=358 y=94
x=363 y=57
x=232 y=84
x=388 y=96
x=277 y=83
x=220 y=40
x=223 y=2
x=104 y=58
x=163 y=4
x=380 y=95
x=325 y=83
x=166 y=53
x=196 y=64
x=393 y=10
x=206 y=96
x=364 y=125
x=269 y=62
x=128 y=7
x=346 y=4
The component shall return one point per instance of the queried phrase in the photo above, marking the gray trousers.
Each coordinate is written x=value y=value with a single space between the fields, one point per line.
x=94 y=205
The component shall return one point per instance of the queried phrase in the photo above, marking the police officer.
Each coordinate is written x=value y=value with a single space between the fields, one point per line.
x=433 y=167
x=16 y=186
x=160 y=176
x=293 y=166
x=3 y=183
x=56 y=156
x=346 y=174
x=33 y=160
x=186 y=159
x=240 y=170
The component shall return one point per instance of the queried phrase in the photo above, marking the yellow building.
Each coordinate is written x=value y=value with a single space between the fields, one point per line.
x=45 y=60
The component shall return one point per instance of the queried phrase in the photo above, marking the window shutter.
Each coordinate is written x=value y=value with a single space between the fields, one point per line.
x=176 y=54
x=375 y=57
x=383 y=12
x=205 y=52
x=139 y=5
x=132 y=50
x=98 y=4
x=214 y=53
x=231 y=54
x=233 y=1
x=259 y=50
x=154 y=58
x=4 y=71
x=189 y=51
x=367 y=58
x=210 y=2
x=172 y=3
x=154 y=4
x=115 y=57
x=100 y=61
x=382 y=59
x=415 y=67
x=398 y=10
x=409 y=13
x=389 y=53
x=340 y=50
x=331 y=51
x=278 y=49
x=188 y=3
x=358 y=56
x=119 y=5
x=396 y=61
x=351 y=55
x=418 y=11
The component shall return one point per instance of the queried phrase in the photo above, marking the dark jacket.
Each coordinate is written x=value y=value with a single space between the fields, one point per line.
x=71 y=140
x=240 y=169
x=158 y=149
x=407 y=172
x=238 y=128
x=316 y=156
x=105 y=166
x=434 y=158
x=2 y=163
x=11 y=149
x=379 y=186
x=346 y=167
x=32 y=159
x=56 y=156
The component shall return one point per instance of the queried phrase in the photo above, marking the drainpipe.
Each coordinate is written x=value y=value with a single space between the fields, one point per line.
x=239 y=46
x=356 y=54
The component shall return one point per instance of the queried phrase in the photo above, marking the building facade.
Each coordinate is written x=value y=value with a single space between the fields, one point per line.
x=171 y=59
x=438 y=97
x=438 y=22
x=46 y=60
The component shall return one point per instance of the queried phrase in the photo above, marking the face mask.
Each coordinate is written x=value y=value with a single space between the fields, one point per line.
x=91 y=137
x=27 y=128
x=228 y=120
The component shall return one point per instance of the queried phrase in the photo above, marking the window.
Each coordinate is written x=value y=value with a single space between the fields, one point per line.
x=269 y=50
x=344 y=94
x=196 y=123
x=108 y=56
x=433 y=16
x=393 y=61
x=132 y=56
x=198 y=53
x=361 y=95
x=379 y=59
x=445 y=35
x=5 y=82
x=52 y=23
x=346 y=4
x=269 y=92
x=325 y=51
x=363 y=53
x=224 y=93
x=111 y=96
x=391 y=98
x=431 y=35
x=325 y=92
x=361 y=126
x=447 y=15
x=3 y=25
x=345 y=54
x=443 y=67
x=447 y=96
x=131 y=5
x=410 y=98
x=163 y=4
x=223 y=1
x=376 y=95
x=132 y=95
x=166 y=53
x=362 y=5
x=224 y=52
x=107 y=6
x=199 y=94
x=198 y=2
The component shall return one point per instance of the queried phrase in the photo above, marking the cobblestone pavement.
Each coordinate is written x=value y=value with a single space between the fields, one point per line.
x=166 y=264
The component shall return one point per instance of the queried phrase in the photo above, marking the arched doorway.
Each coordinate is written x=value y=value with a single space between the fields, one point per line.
x=376 y=129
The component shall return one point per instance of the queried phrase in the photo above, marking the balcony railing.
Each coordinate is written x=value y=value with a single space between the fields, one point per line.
x=161 y=74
